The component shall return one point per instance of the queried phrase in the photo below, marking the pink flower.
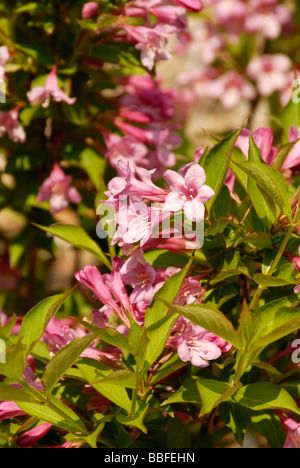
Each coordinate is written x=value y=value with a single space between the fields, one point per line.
x=194 y=347
x=292 y=429
x=127 y=149
x=57 y=189
x=151 y=42
x=29 y=438
x=293 y=158
x=267 y=18
x=136 y=222
x=231 y=14
x=9 y=123
x=89 y=10
x=188 y=192
x=41 y=95
x=9 y=410
x=270 y=72
x=139 y=184
x=263 y=138
x=144 y=279
x=109 y=289
x=190 y=5
x=230 y=88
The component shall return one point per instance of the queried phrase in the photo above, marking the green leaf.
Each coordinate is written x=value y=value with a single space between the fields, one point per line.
x=248 y=324
x=10 y=393
x=121 y=377
x=92 y=370
x=158 y=334
x=137 y=420
x=272 y=182
x=168 y=292
x=76 y=236
x=187 y=393
x=109 y=335
x=263 y=395
x=63 y=359
x=177 y=435
x=36 y=320
x=14 y=364
x=55 y=413
x=211 y=319
x=216 y=164
x=121 y=53
x=270 y=281
x=138 y=341
x=87 y=158
x=269 y=426
x=284 y=322
x=236 y=417
x=39 y=53
x=30 y=7
x=258 y=240
x=231 y=265
x=213 y=392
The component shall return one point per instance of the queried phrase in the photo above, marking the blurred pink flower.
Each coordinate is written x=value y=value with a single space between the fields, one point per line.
x=190 y=5
x=268 y=18
x=230 y=88
x=188 y=193
x=89 y=10
x=152 y=42
x=270 y=72
x=127 y=149
x=41 y=95
x=9 y=123
x=58 y=191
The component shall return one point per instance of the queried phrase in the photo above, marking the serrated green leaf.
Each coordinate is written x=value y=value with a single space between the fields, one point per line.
x=216 y=164
x=168 y=292
x=92 y=371
x=272 y=182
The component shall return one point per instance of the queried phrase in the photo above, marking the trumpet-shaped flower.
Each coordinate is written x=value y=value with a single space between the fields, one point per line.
x=188 y=192
x=41 y=95
x=58 y=190
x=194 y=347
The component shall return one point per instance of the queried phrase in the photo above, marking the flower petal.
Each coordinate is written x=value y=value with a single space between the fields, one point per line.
x=173 y=202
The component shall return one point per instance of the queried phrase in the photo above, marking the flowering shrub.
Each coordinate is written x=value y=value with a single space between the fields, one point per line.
x=179 y=326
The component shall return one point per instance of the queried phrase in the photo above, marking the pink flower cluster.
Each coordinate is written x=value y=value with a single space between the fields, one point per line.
x=143 y=211
x=193 y=343
x=209 y=42
x=148 y=124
